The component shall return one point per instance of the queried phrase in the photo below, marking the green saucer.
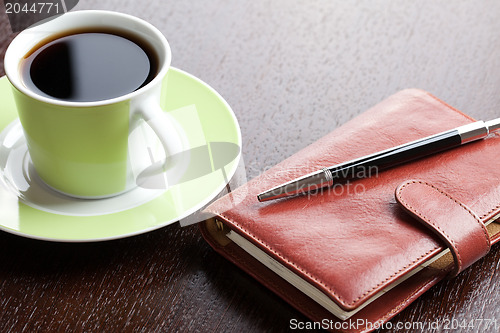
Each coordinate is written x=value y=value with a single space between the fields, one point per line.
x=216 y=123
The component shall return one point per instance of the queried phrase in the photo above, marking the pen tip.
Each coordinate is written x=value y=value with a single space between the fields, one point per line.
x=270 y=194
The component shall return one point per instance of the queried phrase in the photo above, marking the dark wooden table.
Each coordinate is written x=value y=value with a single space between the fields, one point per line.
x=292 y=71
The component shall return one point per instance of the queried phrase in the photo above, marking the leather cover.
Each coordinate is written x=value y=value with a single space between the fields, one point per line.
x=456 y=224
x=355 y=239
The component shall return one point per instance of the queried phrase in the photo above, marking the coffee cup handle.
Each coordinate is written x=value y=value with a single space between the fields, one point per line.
x=172 y=137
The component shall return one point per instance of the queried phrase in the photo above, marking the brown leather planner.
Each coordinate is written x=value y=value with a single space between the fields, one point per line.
x=362 y=251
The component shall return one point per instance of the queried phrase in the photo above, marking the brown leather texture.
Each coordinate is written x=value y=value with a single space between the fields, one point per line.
x=455 y=223
x=353 y=240
x=380 y=311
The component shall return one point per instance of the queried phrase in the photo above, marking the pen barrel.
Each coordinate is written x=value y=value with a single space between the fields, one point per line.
x=369 y=166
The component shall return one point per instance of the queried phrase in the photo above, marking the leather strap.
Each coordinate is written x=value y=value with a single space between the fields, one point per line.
x=458 y=226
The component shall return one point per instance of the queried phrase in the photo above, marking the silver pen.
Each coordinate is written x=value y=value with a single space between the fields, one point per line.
x=385 y=159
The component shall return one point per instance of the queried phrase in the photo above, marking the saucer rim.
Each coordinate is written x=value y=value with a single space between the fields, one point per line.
x=162 y=224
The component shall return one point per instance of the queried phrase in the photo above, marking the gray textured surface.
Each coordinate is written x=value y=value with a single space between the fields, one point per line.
x=292 y=71
x=298 y=69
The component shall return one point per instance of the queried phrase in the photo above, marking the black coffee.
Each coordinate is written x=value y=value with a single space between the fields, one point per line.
x=89 y=66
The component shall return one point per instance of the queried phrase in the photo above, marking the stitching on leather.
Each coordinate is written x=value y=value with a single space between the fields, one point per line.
x=307 y=310
x=388 y=278
x=426 y=219
x=469 y=118
x=394 y=274
x=450 y=107
x=397 y=308
x=316 y=279
x=474 y=216
x=385 y=280
x=250 y=266
x=491 y=211
x=272 y=285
